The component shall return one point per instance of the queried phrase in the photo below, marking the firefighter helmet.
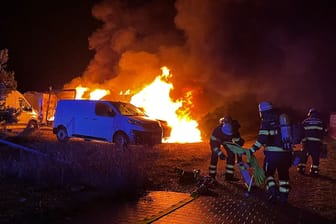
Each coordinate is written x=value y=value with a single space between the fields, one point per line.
x=312 y=112
x=264 y=106
x=225 y=119
x=227 y=128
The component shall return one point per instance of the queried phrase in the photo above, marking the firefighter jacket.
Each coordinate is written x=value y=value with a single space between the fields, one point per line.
x=313 y=130
x=217 y=139
x=269 y=136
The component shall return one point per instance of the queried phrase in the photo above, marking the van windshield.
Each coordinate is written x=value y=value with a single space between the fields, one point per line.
x=128 y=109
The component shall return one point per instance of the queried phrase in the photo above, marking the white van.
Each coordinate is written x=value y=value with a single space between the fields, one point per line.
x=118 y=122
x=25 y=115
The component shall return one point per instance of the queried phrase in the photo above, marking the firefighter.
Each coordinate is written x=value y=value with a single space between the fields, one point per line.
x=231 y=160
x=277 y=156
x=222 y=133
x=236 y=138
x=235 y=125
x=313 y=133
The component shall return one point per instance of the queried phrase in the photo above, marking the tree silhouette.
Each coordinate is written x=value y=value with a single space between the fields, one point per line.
x=7 y=80
x=7 y=84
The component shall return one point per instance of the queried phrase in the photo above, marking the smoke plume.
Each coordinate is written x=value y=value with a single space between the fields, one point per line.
x=222 y=50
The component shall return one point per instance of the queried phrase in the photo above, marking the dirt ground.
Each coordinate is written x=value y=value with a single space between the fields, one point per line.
x=162 y=164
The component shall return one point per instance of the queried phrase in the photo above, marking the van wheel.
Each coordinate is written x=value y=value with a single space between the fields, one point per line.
x=121 y=140
x=32 y=125
x=62 y=134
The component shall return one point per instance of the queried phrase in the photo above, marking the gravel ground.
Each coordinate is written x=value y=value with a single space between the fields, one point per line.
x=21 y=199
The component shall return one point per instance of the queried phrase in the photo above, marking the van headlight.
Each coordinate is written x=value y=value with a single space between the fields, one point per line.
x=134 y=122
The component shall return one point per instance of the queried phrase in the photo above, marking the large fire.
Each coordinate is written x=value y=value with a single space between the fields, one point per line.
x=155 y=100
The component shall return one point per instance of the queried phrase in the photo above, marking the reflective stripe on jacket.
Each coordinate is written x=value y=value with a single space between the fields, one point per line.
x=269 y=136
x=313 y=129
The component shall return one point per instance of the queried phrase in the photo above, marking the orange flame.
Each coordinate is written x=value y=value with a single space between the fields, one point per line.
x=98 y=94
x=156 y=102
x=94 y=95
x=80 y=92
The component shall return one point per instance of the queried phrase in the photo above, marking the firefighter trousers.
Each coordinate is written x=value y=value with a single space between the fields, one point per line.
x=213 y=164
x=312 y=149
x=230 y=162
x=277 y=162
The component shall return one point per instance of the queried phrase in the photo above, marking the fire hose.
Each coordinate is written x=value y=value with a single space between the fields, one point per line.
x=203 y=188
x=32 y=151
x=170 y=209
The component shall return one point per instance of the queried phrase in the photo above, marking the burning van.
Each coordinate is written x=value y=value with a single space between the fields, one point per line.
x=118 y=122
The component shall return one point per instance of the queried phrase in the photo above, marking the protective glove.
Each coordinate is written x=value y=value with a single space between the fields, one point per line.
x=222 y=156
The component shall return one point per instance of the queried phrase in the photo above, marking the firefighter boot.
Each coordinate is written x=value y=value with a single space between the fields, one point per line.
x=213 y=179
x=272 y=194
x=230 y=177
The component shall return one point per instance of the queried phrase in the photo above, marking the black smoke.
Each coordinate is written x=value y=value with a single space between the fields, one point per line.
x=223 y=50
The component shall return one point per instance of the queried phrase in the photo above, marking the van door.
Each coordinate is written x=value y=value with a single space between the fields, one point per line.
x=103 y=124
x=83 y=116
x=25 y=112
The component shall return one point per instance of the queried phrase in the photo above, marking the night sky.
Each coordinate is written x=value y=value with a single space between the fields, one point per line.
x=282 y=51
x=47 y=41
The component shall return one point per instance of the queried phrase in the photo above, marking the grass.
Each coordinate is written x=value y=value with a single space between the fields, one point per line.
x=98 y=166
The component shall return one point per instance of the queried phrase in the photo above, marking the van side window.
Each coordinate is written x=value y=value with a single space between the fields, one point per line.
x=103 y=109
